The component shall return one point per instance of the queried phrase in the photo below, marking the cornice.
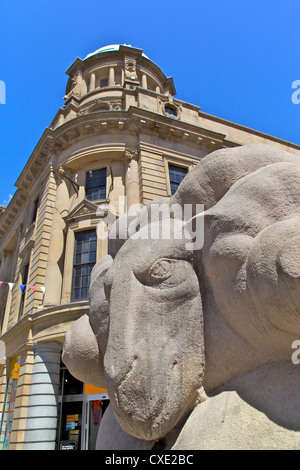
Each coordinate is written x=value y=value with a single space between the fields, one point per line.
x=173 y=129
x=44 y=150
x=248 y=130
x=41 y=321
x=12 y=211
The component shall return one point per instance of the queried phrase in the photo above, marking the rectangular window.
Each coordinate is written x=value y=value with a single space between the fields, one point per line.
x=23 y=287
x=84 y=261
x=176 y=175
x=35 y=208
x=95 y=187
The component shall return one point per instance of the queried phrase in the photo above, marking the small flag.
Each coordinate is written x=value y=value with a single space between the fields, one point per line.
x=43 y=289
x=22 y=287
x=11 y=285
x=0 y=283
x=32 y=288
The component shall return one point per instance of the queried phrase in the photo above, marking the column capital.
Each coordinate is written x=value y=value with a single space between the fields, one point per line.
x=60 y=172
x=5 y=252
x=20 y=228
x=131 y=154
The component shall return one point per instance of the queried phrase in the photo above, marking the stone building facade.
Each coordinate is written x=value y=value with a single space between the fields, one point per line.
x=121 y=139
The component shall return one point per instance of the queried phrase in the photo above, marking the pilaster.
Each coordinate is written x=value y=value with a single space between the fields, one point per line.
x=132 y=185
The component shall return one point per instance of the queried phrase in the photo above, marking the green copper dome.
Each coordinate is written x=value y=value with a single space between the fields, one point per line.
x=109 y=48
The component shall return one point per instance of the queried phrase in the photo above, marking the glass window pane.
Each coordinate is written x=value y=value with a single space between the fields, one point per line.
x=85 y=246
x=84 y=293
x=93 y=245
x=173 y=188
x=102 y=193
x=76 y=294
x=176 y=175
x=85 y=259
x=96 y=184
x=93 y=235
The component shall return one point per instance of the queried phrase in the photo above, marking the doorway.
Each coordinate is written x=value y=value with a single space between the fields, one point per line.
x=79 y=414
x=93 y=411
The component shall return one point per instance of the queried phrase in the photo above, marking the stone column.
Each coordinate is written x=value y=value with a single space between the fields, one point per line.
x=41 y=424
x=5 y=264
x=132 y=185
x=144 y=81
x=53 y=280
x=111 y=77
x=92 y=82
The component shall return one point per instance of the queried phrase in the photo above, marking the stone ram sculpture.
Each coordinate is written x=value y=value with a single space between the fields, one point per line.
x=194 y=345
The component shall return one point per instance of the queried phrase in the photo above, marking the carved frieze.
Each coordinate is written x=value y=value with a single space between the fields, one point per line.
x=101 y=105
x=130 y=68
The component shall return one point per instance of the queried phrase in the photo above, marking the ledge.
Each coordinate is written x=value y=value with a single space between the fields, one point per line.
x=42 y=325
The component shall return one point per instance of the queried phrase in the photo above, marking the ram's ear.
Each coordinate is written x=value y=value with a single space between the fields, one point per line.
x=288 y=260
x=81 y=353
x=273 y=271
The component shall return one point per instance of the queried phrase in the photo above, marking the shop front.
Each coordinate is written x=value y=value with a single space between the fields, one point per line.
x=80 y=410
x=9 y=403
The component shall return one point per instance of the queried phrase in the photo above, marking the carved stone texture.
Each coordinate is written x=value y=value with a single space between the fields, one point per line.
x=195 y=345
x=169 y=107
x=130 y=68
x=75 y=87
x=131 y=154
x=100 y=105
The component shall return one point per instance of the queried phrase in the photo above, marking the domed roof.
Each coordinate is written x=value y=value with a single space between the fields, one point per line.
x=109 y=48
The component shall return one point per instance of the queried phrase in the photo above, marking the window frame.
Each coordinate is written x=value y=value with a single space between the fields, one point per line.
x=75 y=264
x=99 y=186
x=22 y=301
x=181 y=161
x=35 y=210
x=175 y=182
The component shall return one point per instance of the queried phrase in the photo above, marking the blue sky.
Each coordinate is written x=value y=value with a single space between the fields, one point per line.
x=236 y=59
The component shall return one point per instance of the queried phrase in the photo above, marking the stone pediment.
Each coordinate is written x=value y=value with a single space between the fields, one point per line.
x=84 y=209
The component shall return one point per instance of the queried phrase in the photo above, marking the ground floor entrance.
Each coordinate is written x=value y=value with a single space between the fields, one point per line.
x=60 y=412
x=79 y=422
x=80 y=410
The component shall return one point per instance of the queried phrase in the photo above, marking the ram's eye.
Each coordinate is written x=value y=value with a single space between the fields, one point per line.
x=160 y=270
